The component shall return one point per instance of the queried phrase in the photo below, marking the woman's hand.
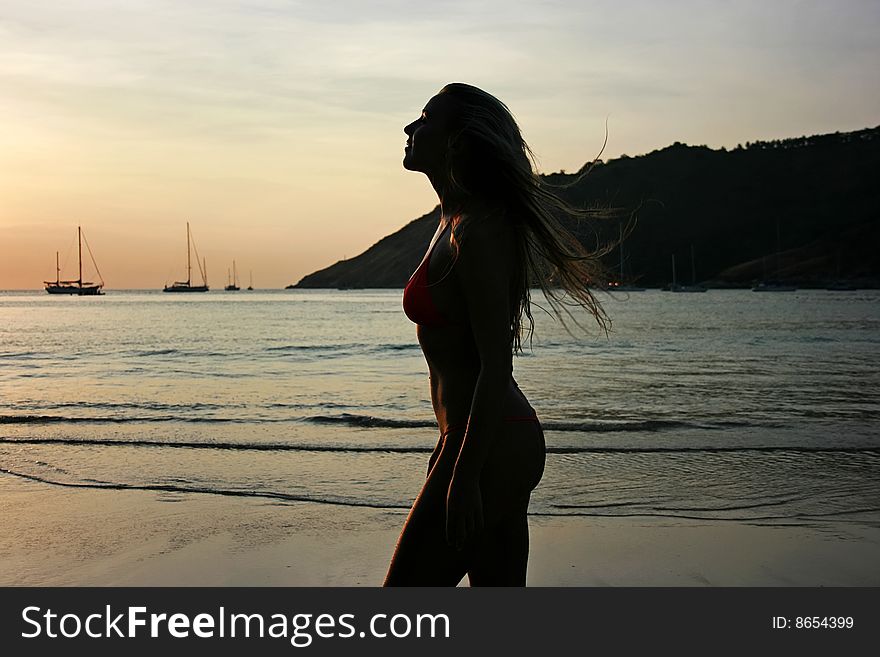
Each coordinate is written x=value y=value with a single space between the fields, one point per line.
x=464 y=510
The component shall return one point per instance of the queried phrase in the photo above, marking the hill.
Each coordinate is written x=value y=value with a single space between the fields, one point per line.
x=803 y=210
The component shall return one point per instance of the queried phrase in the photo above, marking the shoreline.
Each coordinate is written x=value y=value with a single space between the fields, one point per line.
x=88 y=537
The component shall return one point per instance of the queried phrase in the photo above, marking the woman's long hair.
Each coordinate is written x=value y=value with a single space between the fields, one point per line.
x=487 y=157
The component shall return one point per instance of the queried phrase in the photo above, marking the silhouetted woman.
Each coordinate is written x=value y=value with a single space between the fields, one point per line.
x=497 y=235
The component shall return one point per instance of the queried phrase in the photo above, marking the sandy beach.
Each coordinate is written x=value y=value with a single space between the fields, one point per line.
x=84 y=537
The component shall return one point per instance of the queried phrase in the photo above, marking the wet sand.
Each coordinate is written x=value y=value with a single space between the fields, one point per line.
x=86 y=537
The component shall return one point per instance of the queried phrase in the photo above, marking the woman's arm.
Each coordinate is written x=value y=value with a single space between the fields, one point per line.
x=483 y=276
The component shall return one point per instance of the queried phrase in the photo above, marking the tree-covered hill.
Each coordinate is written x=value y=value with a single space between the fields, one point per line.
x=804 y=210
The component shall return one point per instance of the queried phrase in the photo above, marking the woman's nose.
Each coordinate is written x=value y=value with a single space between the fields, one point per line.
x=408 y=129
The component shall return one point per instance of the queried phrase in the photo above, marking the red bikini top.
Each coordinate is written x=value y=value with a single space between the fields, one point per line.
x=417 y=302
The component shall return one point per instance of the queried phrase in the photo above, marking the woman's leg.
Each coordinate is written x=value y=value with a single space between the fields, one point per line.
x=512 y=470
x=422 y=556
x=501 y=552
x=499 y=555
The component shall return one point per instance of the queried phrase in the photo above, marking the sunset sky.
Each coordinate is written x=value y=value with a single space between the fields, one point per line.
x=275 y=127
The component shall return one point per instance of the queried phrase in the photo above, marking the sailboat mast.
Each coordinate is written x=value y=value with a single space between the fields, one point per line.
x=79 y=239
x=778 y=242
x=188 y=265
x=57 y=270
x=205 y=271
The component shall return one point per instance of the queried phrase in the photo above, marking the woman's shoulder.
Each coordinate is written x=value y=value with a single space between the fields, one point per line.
x=484 y=226
x=486 y=241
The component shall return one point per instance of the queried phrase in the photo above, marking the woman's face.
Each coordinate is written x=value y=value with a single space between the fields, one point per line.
x=428 y=136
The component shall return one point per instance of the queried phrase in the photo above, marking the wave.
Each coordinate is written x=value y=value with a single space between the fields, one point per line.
x=301 y=406
x=355 y=420
x=221 y=415
x=260 y=447
x=636 y=505
x=684 y=513
x=342 y=349
x=158 y=352
x=162 y=406
x=308 y=347
x=352 y=420
x=170 y=351
x=638 y=425
x=413 y=449
x=63 y=419
x=28 y=355
x=177 y=488
x=145 y=406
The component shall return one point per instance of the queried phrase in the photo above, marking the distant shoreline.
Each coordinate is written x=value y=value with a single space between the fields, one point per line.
x=859 y=285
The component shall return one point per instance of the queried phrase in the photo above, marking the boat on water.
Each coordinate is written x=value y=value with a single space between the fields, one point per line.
x=841 y=286
x=251 y=286
x=774 y=284
x=187 y=286
x=693 y=287
x=616 y=286
x=232 y=280
x=620 y=285
x=78 y=287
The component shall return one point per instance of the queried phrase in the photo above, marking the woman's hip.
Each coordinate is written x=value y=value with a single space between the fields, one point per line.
x=516 y=457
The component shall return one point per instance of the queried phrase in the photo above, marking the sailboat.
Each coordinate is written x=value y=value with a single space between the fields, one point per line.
x=619 y=285
x=187 y=286
x=693 y=287
x=774 y=285
x=79 y=286
x=232 y=285
x=839 y=284
x=251 y=286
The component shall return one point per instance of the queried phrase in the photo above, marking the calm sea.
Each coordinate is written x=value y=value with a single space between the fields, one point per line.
x=728 y=405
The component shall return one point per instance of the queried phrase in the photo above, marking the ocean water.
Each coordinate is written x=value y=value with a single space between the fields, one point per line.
x=724 y=406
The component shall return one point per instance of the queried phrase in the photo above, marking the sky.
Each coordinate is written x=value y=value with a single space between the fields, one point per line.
x=275 y=127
